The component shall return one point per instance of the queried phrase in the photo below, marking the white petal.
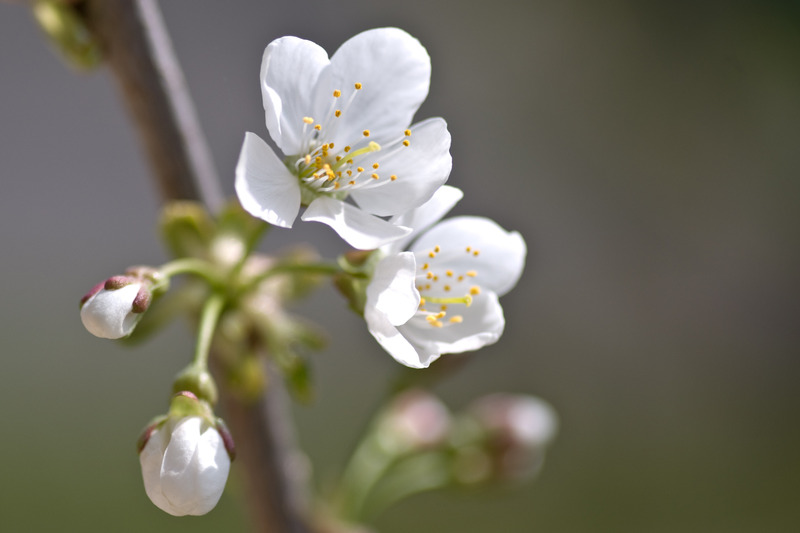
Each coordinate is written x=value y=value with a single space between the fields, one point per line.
x=290 y=68
x=391 y=290
x=394 y=70
x=421 y=218
x=359 y=229
x=393 y=341
x=501 y=254
x=212 y=464
x=178 y=475
x=150 y=459
x=109 y=313
x=265 y=187
x=421 y=168
x=483 y=324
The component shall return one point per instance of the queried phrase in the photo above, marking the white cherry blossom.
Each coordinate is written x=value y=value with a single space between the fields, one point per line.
x=185 y=466
x=441 y=296
x=343 y=127
x=113 y=308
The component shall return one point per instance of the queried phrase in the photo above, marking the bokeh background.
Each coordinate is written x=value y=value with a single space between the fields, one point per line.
x=649 y=152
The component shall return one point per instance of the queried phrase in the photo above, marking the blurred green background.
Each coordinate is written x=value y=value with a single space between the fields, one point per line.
x=648 y=152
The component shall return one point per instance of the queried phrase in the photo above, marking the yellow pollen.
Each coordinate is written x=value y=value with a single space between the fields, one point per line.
x=349 y=172
x=440 y=315
x=443 y=307
x=407 y=133
x=449 y=273
x=456 y=319
x=435 y=278
x=425 y=266
x=338 y=158
x=471 y=273
x=437 y=249
x=349 y=161
x=351 y=182
x=318 y=160
x=429 y=275
x=336 y=185
x=393 y=177
x=337 y=113
x=474 y=290
x=365 y=133
x=307 y=159
x=469 y=249
x=446 y=288
x=460 y=278
x=308 y=120
x=318 y=127
x=406 y=143
x=346 y=148
x=431 y=255
x=433 y=322
x=358 y=86
x=330 y=146
x=476 y=253
x=360 y=169
x=337 y=93
x=421 y=302
x=375 y=176
x=427 y=286
x=375 y=166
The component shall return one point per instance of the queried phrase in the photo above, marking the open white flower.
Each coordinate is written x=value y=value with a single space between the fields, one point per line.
x=441 y=296
x=343 y=127
x=185 y=466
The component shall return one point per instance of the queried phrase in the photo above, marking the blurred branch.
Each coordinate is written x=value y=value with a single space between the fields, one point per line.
x=138 y=51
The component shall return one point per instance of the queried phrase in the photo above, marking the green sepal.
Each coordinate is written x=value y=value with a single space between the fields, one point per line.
x=197 y=381
x=187 y=229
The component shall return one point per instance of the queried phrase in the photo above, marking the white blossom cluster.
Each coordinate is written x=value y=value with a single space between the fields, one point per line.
x=351 y=155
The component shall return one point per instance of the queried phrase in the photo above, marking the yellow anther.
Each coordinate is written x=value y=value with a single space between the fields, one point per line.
x=437 y=249
x=365 y=133
x=318 y=127
x=406 y=143
x=421 y=302
x=429 y=275
x=318 y=160
x=443 y=307
x=349 y=161
x=427 y=286
x=425 y=266
x=308 y=120
x=469 y=249
x=338 y=158
x=460 y=278
x=337 y=113
x=476 y=253
x=393 y=177
x=474 y=290
x=440 y=315
x=351 y=182
x=336 y=185
x=471 y=273
x=375 y=166
x=330 y=146
x=447 y=288
x=358 y=86
x=431 y=255
x=430 y=318
x=457 y=319
x=407 y=133
x=375 y=176
x=337 y=93
x=435 y=278
x=360 y=169
x=449 y=273
x=307 y=159
x=346 y=148
x=349 y=172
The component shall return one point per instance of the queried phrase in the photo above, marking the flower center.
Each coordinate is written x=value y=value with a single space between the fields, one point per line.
x=325 y=167
x=441 y=288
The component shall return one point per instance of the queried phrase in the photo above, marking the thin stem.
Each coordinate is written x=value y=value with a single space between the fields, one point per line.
x=322 y=269
x=212 y=310
x=191 y=265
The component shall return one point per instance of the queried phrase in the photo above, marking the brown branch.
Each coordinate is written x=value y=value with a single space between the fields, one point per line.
x=137 y=49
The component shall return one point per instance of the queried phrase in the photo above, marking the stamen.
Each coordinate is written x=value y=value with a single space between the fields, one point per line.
x=375 y=166
x=337 y=113
x=337 y=93
x=318 y=127
x=457 y=319
x=358 y=86
x=471 y=273
x=393 y=177
x=375 y=176
x=365 y=133
x=474 y=290
x=308 y=120
x=406 y=143
x=407 y=133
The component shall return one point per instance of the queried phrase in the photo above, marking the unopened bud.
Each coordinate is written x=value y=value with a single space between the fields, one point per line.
x=415 y=420
x=112 y=309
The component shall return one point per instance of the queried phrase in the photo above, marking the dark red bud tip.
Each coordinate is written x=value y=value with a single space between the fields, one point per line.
x=145 y=436
x=142 y=300
x=227 y=439
x=187 y=394
x=117 y=282
x=92 y=292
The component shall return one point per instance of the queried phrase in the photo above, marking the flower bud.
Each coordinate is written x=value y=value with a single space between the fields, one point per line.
x=415 y=420
x=517 y=430
x=186 y=458
x=113 y=308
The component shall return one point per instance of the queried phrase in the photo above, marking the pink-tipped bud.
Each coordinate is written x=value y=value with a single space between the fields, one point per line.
x=113 y=307
x=415 y=420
